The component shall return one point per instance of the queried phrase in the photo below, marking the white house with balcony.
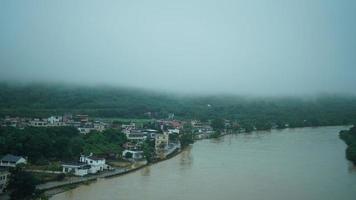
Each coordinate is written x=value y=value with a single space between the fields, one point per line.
x=77 y=168
x=96 y=163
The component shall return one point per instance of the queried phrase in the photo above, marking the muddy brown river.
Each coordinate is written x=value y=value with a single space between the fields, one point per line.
x=293 y=164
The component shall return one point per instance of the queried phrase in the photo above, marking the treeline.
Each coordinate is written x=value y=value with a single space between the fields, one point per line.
x=350 y=139
x=42 y=145
x=40 y=100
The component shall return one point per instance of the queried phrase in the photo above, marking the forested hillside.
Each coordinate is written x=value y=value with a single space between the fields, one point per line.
x=58 y=143
x=40 y=100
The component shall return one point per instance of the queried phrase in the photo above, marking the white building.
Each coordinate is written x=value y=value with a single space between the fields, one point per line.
x=11 y=161
x=99 y=126
x=151 y=133
x=136 y=135
x=128 y=126
x=136 y=155
x=96 y=164
x=4 y=179
x=77 y=168
x=38 y=123
x=85 y=130
x=86 y=165
x=54 y=119
x=172 y=131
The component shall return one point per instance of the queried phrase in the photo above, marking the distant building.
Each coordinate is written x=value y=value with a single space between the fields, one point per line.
x=84 y=130
x=67 y=118
x=172 y=131
x=11 y=161
x=99 y=126
x=151 y=133
x=4 y=179
x=55 y=121
x=81 y=118
x=136 y=135
x=171 y=116
x=201 y=128
x=130 y=146
x=128 y=126
x=38 y=123
x=11 y=121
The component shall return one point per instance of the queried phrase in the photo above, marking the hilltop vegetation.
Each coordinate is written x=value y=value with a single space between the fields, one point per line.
x=42 y=145
x=40 y=100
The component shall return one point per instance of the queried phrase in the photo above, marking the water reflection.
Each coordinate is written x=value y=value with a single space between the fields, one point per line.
x=186 y=158
x=217 y=140
x=146 y=171
x=352 y=168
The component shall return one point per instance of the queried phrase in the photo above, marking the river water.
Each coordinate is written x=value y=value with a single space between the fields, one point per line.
x=293 y=164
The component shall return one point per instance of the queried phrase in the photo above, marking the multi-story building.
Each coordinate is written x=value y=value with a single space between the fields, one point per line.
x=161 y=141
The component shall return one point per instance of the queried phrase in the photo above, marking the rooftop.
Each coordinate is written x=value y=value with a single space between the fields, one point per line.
x=11 y=158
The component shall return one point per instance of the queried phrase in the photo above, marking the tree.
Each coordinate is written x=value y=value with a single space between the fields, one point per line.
x=216 y=134
x=109 y=141
x=350 y=139
x=22 y=184
x=186 y=139
x=174 y=137
x=148 y=150
x=187 y=128
x=218 y=124
x=60 y=177
x=128 y=155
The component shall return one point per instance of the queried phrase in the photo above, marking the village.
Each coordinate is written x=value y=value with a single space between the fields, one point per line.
x=163 y=134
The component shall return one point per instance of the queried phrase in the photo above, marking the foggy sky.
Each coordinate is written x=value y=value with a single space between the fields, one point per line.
x=262 y=47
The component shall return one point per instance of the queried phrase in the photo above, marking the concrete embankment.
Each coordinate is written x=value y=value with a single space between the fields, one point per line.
x=77 y=180
x=58 y=186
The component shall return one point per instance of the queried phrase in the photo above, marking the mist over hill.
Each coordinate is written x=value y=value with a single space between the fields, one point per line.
x=43 y=100
x=203 y=46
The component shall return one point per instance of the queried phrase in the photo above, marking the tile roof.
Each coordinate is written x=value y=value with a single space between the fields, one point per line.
x=11 y=158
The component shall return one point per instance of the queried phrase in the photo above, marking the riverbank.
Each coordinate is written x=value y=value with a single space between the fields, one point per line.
x=349 y=137
x=242 y=166
x=54 y=188
x=70 y=186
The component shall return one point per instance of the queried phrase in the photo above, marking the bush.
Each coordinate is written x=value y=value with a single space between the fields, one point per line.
x=22 y=184
x=60 y=177
x=349 y=138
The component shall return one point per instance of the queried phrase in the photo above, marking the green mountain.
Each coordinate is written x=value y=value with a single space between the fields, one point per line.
x=42 y=100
